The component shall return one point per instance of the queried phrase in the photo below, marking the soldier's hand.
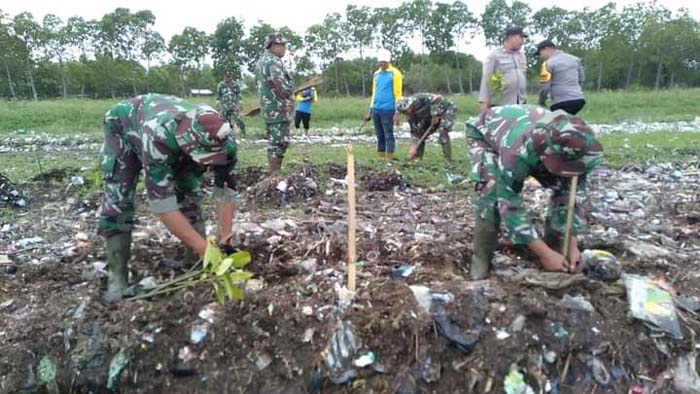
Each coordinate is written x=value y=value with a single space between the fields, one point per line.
x=485 y=113
x=434 y=121
x=554 y=261
x=368 y=117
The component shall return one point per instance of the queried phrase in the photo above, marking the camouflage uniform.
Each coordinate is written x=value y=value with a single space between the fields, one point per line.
x=164 y=136
x=516 y=142
x=424 y=107
x=172 y=141
x=276 y=96
x=229 y=97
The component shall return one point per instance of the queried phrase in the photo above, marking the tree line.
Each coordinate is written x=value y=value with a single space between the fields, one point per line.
x=643 y=45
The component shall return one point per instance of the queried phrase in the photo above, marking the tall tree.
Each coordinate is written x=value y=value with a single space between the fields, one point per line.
x=420 y=19
x=327 y=41
x=153 y=46
x=392 y=30
x=188 y=50
x=82 y=35
x=360 y=23
x=56 y=43
x=498 y=16
x=464 y=27
x=227 y=46
x=10 y=52
x=125 y=32
x=29 y=33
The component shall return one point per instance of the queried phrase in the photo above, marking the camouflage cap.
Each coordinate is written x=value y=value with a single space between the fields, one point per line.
x=570 y=146
x=404 y=103
x=215 y=144
x=275 y=38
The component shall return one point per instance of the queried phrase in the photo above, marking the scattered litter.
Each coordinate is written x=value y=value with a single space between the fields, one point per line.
x=148 y=283
x=601 y=265
x=209 y=313
x=340 y=352
x=198 y=333
x=652 y=304
x=261 y=360
x=24 y=242
x=514 y=383
x=402 y=271
x=115 y=368
x=308 y=335
x=431 y=370
x=364 y=360
x=502 y=334
x=685 y=376
x=518 y=324
x=578 y=303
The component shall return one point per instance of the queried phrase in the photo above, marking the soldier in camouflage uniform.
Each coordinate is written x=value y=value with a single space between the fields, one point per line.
x=276 y=98
x=228 y=94
x=514 y=143
x=429 y=111
x=173 y=142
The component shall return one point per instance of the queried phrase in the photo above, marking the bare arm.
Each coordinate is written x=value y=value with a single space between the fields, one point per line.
x=226 y=212
x=178 y=224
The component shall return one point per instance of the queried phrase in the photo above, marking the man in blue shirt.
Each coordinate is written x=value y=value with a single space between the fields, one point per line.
x=303 y=112
x=387 y=86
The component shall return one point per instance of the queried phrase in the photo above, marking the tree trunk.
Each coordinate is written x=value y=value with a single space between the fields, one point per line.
x=447 y=78
x=672 y=80
x=422 y=65
x=31 y=82
x=9 y=81
x=471 y=77
x=337 y=78
x=600 y=75
x=363 y=72
x=63 y=78
x=133 y=80
x=628 y=80
x=659 y=66
x=148 y=75
x=459 y=73
x=347 y=88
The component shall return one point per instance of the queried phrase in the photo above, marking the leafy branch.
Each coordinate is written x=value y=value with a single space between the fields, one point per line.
x=224 y=272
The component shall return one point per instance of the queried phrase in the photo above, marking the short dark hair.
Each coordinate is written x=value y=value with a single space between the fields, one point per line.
x=545 y=44
x=515 y=31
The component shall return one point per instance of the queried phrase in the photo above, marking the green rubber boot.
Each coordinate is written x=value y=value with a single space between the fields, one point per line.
x=447 y=153
x=485 y=244
x=118 y=251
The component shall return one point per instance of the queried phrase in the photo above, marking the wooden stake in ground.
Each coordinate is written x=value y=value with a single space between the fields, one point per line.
x=569 y=217
x=352 y=253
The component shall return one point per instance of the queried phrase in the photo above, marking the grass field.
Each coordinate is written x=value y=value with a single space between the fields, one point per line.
x=62 y=117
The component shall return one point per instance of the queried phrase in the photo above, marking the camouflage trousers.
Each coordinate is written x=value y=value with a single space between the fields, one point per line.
x=121 y=167
x=277 y=138
x=485 y=174
x=234 y=118
x=443 y=129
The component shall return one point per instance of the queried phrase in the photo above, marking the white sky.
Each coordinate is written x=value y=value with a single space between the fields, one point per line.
x=298 y=15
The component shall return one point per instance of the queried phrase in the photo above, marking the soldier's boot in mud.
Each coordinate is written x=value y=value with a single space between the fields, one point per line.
x=118 y=251
x=191 y=256
x=274 y=163
x=447 y=153
x=485 y=244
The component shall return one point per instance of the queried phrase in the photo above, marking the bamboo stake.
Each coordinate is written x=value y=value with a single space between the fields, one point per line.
x=570 y=217
x=352 y=253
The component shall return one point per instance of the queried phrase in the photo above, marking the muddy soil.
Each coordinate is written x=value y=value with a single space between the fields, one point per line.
x=277 y=339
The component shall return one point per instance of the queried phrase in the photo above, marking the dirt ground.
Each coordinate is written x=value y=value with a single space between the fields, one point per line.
x=285 y=336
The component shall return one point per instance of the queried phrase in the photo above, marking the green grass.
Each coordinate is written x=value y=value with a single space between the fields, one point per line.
x=620 y=150
x=66 y=117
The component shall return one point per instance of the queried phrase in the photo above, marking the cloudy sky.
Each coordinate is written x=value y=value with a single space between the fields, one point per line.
x=171 y=19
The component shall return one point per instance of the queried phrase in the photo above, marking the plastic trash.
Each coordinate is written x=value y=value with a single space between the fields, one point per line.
x=600 y=372
x=514 y=383
x=115 y=368
x=652 y=304
x=577 y=303
x=364 y=360
x=198 y=333
x=685 y=376
x=340 y=352
x=402 y=271
x=454 y=333
x=601 y=265
x=430 y=370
